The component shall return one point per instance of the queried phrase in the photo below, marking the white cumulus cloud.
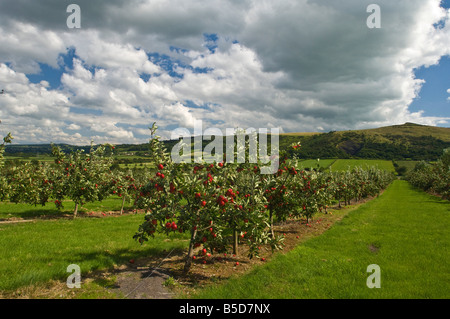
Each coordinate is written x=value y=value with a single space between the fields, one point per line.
x=298 y=65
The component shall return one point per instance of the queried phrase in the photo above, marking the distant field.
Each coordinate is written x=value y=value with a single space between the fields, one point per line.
x=138 y=165
x=131 y=157
x=45 y=158
x=344 y=164
x=312 y=163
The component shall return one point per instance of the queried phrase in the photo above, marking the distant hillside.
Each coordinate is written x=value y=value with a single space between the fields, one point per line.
x=407 y=129
x=407 y=141
x=39 y=149
x=397 y=142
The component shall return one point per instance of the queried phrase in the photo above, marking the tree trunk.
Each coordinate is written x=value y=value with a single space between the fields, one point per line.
x=75 y=211
x=188 y=262
x=271 y=224
x=123 y=204
x=235 y=242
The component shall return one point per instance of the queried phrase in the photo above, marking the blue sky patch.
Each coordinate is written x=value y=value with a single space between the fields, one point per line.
x=53 y=75
x=49 y=74
x=83 y=110
x=211 y=41
x=433 y=97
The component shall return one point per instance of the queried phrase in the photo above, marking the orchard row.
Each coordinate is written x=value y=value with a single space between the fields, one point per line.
x=433 y=178
x=220 y=205
x=224 y=205
x=77 y=176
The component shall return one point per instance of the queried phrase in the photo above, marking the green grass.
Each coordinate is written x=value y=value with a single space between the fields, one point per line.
x=408 y=164
x=344 y=164
x=312 y=163
x=20 y=210
x=404 y=231
x=36 y=252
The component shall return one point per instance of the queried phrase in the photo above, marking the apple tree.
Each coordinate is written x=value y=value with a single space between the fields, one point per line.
x=4 y=186
x=81 y=177
x=215 y=203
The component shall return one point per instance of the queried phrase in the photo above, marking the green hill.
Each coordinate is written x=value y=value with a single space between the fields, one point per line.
x=398 y=142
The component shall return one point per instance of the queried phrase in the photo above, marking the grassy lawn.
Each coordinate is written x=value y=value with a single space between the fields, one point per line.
x=344 y=164
x=404 y=231
x=39 y=251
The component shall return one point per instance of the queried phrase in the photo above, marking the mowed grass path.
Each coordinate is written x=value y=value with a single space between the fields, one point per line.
x=404 y=231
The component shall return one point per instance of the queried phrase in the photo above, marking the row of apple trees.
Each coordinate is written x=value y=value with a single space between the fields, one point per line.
x=4 y=186
x=77 y=177
x=220 y=205
x=223 y=205
x=433 y=177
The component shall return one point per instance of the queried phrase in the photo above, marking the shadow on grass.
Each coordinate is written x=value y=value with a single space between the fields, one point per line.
x=95 y=263
x=37 y=213
x=106 y=260
x=53 y=213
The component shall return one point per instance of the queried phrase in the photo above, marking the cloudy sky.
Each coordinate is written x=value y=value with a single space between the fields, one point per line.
x=296 y=65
